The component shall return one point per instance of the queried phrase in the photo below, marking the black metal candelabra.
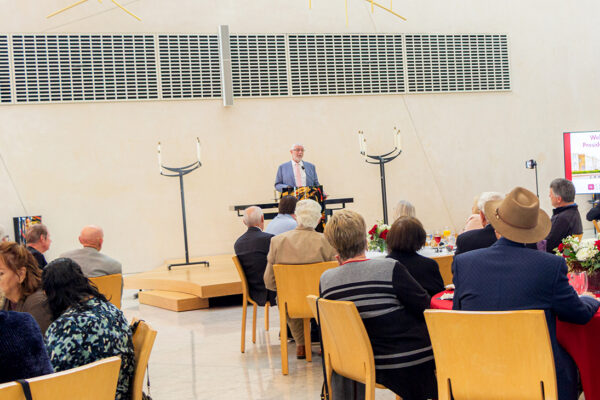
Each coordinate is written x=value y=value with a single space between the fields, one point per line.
x=180 y=172
x=382 y=159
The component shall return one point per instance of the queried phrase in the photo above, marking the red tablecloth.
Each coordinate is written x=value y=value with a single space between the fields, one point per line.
x=582 y=342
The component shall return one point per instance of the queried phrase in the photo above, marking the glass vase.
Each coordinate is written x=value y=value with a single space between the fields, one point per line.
x=579 y=281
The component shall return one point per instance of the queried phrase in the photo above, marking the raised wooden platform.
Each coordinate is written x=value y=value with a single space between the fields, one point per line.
x=188 y=287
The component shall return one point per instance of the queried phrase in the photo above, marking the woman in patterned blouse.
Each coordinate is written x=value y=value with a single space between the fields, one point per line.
x=87 y=327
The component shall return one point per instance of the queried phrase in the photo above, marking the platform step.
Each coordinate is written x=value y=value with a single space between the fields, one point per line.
x=174 y=301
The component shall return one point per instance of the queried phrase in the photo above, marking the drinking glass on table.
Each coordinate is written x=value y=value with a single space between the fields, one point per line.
x=579 y=281
x=437 y=237
x=446 y=233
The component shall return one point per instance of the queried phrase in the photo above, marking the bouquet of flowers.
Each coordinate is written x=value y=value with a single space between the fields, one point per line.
x=581 y=255
x=377 y=236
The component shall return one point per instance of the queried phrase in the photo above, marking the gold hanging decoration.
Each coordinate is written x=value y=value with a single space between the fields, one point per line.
x=99 y=1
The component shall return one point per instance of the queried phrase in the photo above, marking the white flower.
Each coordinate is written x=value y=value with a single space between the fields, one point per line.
x=585 y=253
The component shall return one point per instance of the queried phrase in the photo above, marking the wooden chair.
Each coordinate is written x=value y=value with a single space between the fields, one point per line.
x=247 y=299
x=111 y=286
x=579 y=236
x=143 y=341
x=445 y=265
x=94 y=381
x=346 y=344
x=595 y=222
x=492 y=355
x=294 y=283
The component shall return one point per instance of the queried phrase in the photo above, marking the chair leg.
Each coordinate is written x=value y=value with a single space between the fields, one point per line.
x=244 y=310
x=307 y=339
x=369 y=387
x=254 y=310
x=283 y=339
x=267 y=306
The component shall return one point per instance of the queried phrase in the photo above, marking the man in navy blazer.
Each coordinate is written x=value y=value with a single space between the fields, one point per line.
x=509 y=276
x=296 y=173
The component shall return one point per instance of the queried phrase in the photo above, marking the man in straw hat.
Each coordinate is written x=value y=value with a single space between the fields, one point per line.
x=530 y=279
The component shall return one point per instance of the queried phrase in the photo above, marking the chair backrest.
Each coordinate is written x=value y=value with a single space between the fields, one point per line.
x=345 y=340
x=242 y=274
x=143 y=340
x=94 y=381
x=445 y=265
x=111 y=286
x=492 y=355
x=579 y=236
x=295 y=282
x=595 y=222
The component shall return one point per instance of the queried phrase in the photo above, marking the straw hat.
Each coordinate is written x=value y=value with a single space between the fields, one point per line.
x=518 y=217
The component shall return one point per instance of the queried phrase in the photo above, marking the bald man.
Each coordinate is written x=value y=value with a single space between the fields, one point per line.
x=92 y=262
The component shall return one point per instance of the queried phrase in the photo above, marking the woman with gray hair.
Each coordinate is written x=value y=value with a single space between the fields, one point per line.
x=404 y=208
x=302 y=245
x=391 y=304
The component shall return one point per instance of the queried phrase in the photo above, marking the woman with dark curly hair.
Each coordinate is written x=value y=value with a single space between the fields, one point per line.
x=87 y=328
x=20 y=280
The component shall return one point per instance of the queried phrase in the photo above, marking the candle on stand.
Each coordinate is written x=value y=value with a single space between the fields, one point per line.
x=198 y=148
x=360 y=142
x=159 y=159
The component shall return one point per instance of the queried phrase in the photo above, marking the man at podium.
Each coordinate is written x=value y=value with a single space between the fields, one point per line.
x=296 y=173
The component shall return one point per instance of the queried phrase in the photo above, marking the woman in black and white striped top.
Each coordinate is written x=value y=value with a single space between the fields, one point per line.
x=391 y=304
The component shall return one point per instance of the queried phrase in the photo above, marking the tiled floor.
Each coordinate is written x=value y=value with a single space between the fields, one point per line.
x=197 y=356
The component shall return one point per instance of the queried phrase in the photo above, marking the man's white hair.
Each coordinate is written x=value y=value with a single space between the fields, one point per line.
x=296 y=144
x=253 y=216
x=308 y=213
x=488 y=196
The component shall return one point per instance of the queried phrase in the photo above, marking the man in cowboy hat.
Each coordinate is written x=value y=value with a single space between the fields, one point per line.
x=529 y=279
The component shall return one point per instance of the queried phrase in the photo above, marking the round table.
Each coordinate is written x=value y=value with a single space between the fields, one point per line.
x=580 y=341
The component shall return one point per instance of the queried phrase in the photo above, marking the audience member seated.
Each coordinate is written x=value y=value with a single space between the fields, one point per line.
x=285 y=219
x=302 y=245
x=566 y=220
x=392 y=311
x=479 y=238
x=87 y=327
x=92 y=262
x=508 y=276
x=38 y=242
x=3 y=235
x=405 y=237
x=404 y=208
x=252 y=249
x=594 y=212
x=22 y=350
x=20 y=280
x=474 y=220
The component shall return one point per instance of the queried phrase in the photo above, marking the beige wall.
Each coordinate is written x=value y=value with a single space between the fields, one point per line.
x=96 y=162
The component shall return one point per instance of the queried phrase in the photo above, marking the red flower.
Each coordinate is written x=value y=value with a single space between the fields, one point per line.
x=597 y=244
x=561 y=247
x=373 y=230
x=383 y=234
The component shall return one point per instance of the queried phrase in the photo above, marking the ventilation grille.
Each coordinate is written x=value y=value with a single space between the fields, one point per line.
x=444 y=63
x=189 y=66
x=84 y=67
x=258 y=64
x=346 y=64
x=4 y=71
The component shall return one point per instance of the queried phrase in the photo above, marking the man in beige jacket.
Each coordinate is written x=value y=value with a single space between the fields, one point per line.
x=302 y=245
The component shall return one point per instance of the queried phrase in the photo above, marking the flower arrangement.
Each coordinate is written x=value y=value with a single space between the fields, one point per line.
x=377 y=236
x=581 y=255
